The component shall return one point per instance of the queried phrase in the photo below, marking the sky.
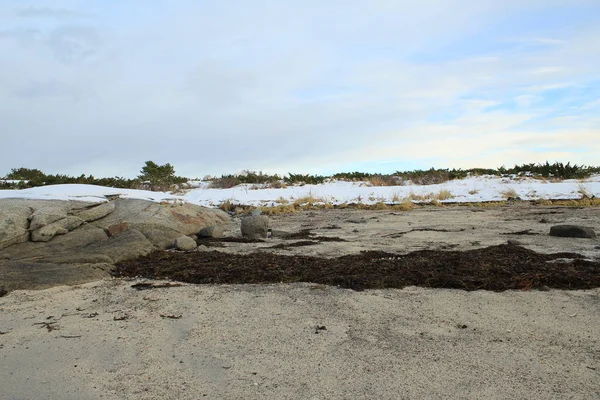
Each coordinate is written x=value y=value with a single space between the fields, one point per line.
x=312 y=86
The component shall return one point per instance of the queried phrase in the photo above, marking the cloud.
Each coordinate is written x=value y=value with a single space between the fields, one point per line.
x=48 y=12
x=287 y=86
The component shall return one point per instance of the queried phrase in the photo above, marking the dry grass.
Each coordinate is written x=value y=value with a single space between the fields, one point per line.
x=277 y=185
x=584 y=202
x=443 y=195
x=421 y=197
x=405 y=205
x=510 y=193
x=224 y=183
x=309 y=199
x=383 y=180
x=280 y=209
x=584 y=191
x=473 y=191
x=231 y=207
x=282 y=200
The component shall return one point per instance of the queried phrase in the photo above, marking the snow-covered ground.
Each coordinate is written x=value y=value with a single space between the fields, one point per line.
x=472 y=189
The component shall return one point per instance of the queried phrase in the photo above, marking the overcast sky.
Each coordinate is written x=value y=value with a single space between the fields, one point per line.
x=306 y=86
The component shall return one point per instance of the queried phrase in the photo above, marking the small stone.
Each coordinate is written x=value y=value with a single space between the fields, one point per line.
x=255 y=227
x=357 y=221
x=514 y=242
x=202 y=248
x=185 y=243
x=573 y=231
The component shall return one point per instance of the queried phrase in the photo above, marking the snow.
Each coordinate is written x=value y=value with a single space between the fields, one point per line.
x=472 y=189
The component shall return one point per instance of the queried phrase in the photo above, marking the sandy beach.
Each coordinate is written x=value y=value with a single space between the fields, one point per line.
x=109 y=340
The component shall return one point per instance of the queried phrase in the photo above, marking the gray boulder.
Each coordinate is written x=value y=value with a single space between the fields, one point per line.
x=13 y=227
x=47 y=215
x=255 y=227
x=160 y=236
x=185 y=218
x=96 y=212
x=128 y=245
x=185 y=243
x=573 y=231
x=214 y=231
x=60 y=245
x=60 y=227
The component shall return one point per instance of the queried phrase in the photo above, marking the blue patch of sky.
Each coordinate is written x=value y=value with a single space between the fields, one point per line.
x=553 y=102
x=502 y=34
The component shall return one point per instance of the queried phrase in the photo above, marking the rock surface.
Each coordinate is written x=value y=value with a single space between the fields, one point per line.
x=215 y=231
x=255 y=227
x=13 y=223
x=185 y=243
x=46 y=216
x=60 y=227
x=97 y=212
x=44 y=243
x=572 y=231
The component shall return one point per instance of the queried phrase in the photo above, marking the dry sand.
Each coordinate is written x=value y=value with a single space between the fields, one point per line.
x=107 y=340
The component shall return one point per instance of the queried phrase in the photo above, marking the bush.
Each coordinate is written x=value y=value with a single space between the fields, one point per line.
x=160 y=177
x=556 y=170
x=300 y=179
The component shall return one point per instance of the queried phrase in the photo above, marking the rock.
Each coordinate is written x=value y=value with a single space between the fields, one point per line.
x=84 y=236
x=357 y=221
x=115 y=229
x=214 y=231
x=46 y=216
x=202 y=248
x=129 y=245
x=255 y=227
x=59 y=246
x=13 y=227
x=279 y=233
x=59 y=227
x=186 y=219
x=574 y=231
x=70 y=236
x=97 y=212
x=76 y=258
x=514 y=242
x=160 y=236
x=185 y=243
x=19 y=275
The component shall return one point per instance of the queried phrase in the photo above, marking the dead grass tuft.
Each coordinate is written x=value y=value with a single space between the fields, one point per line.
x=510 y=193
x=384 y=180
x=584 y=191
x=443 y=195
